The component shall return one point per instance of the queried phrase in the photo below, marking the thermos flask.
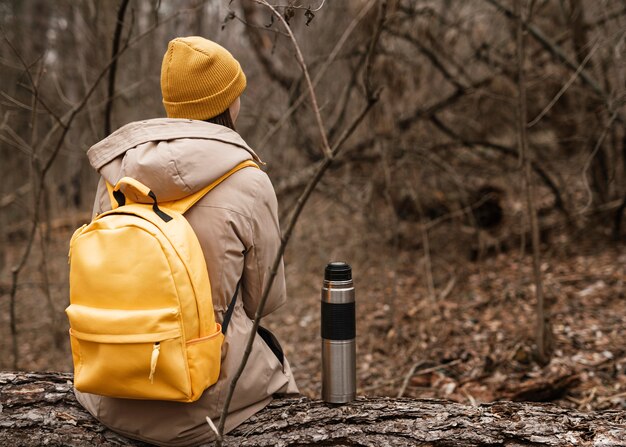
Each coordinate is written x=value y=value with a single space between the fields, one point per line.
x=338 y=330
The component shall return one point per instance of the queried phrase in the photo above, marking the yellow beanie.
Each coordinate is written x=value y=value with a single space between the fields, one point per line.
x=199 y=78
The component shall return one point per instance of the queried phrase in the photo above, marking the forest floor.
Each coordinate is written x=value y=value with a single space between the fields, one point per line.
x=472 y=339
x=469 y=339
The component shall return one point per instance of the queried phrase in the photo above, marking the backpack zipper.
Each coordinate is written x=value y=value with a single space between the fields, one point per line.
x=156 y=350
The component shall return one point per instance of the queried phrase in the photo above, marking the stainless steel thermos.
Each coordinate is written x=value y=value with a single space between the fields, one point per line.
x=338 y=330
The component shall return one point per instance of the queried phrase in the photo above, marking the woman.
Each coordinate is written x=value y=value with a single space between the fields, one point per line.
x=236 y=224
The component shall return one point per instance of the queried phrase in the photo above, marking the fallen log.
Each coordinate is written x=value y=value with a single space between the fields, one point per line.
x=39 y=409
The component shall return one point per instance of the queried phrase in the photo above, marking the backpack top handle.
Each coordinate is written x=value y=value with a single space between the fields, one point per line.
x=133 y=192
x=128 y=191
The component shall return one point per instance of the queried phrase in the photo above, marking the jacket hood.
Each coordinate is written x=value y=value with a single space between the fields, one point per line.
x=173 y=157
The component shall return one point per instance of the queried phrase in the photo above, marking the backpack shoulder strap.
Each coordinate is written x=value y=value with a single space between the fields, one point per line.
x=112 y=199
x=185 y=203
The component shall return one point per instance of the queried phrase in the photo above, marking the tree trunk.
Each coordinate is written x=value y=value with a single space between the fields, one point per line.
x=40 y=409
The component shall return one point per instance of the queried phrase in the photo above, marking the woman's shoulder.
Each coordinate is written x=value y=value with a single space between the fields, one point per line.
x=245 y=192
x=255 y=184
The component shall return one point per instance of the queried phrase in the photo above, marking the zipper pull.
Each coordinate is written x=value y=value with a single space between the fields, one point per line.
x=156 y=350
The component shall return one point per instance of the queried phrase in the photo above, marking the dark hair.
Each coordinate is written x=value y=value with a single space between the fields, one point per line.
x=223 y=119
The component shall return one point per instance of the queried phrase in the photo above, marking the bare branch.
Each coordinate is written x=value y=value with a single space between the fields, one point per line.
x=428 y=267
x=325 y=147
x=319 y=172
x=299 y=206
x=233 y=15
x=369 y=59
x=318 y=76
x=17 y=141
x=567 y=85
x=553 y=48
x=431 y=56
x=42 y=172
x=592 y=155
x=259 y=43
x=543 y=332
x=302 y=6
x=508 y=151
x=11 y=198
x=607 y=17
x=427 y=112
x=30 y=77
x=119 y=25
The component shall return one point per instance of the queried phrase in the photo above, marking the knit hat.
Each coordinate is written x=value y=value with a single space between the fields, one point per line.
x=199 y=78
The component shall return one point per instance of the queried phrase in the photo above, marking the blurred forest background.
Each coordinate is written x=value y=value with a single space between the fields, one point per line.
x=480 y=201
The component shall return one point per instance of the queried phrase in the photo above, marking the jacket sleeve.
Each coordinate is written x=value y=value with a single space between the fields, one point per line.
x=259 y=256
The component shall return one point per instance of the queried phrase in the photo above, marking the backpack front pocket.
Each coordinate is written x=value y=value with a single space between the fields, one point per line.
x=135 y=354
x=205 y=356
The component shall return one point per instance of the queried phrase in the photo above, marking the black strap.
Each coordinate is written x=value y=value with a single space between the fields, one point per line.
x=231 y=308
x=272 y=342
x=121 y=201
x=156 y=209
x=119 y=197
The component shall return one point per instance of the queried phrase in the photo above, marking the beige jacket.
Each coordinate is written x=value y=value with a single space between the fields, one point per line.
x=237 y=226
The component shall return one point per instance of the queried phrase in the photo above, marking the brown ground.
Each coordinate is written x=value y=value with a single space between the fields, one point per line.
x=474 y=340
x=471 y=342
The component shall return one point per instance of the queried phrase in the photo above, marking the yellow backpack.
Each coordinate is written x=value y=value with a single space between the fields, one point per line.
x=141 y=314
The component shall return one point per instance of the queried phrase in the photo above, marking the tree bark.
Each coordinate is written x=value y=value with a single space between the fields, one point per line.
x=40 y=409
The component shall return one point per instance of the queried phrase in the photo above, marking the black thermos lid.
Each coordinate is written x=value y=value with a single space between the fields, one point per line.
x=338 y=271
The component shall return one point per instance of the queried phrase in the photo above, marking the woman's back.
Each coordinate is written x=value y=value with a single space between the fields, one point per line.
x=237 y=226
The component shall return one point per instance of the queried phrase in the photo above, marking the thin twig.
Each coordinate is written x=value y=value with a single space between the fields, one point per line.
x=404 y=123
x=30 y=76
x=428 y=268
x=11 y=198
x=369 y=59
x=34 y=164
x=430 y=55
x=466 y=210
x=437 y=367
x=233 y=15
x=556 y=51
x=318 y=76
x=449 y=288
x=423 y=371
x=543 y=333
x=395 y=228
x=17 y=142
x=119 y=25
x=567 y=85
x=592 y=155
x=299 y=206
x=15 y=102
x=343 y=103
x=43 y=269
x=71 y=114
x=407 y=377
x=302 y=6
x=318 y=118
x=510 y=152
x=42 y=174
